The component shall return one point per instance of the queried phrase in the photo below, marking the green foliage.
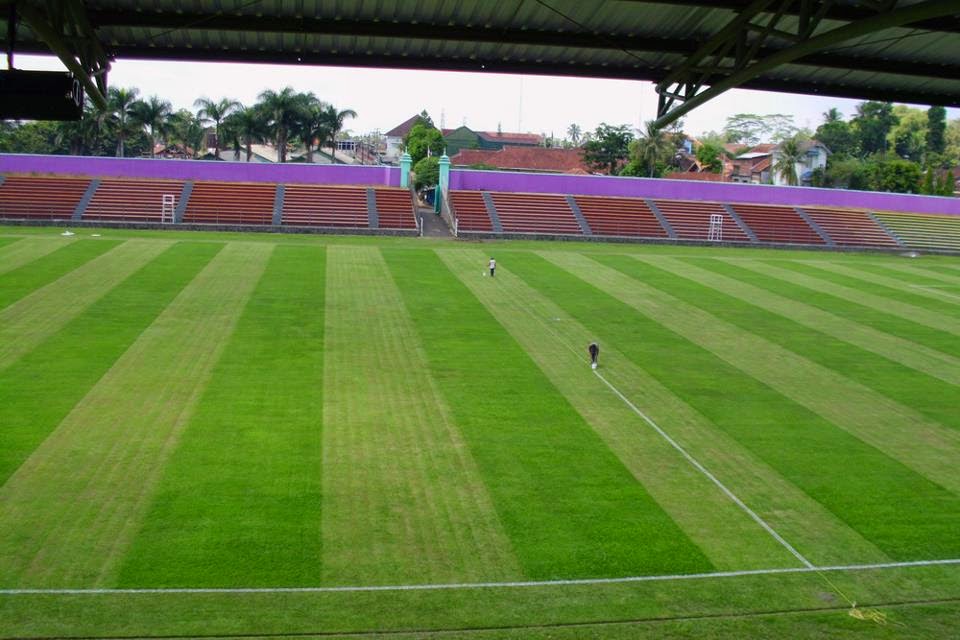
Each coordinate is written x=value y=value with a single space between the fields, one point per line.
x=789 y=154
x=936 y=129
x=216 y=112
x=710 y=156
x=427 y=171
x=872 y=124
x=897 y=175
x=908 y=137
x=608 y=149
x=752 y=128
x=839 y=137
x=423 y=137
x=931 y=183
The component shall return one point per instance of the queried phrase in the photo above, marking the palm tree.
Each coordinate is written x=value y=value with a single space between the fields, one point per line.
x=789 y=154
x=574 y=131
x=119 y=105
x=652 y=146
x=215 y=112
x=335 y=121
x=313 y=123
x=282 y=111
x=833 y=115
x=247 y=125
x=185 y=127
x=152 y=114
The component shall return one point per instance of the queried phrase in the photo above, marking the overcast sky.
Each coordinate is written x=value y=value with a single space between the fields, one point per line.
x=384 y=98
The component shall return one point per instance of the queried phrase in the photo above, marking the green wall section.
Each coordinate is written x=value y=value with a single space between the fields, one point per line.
x=40 y=389
x=903 y=513
x=239 y=503
x=21 y=281
x=569 y=506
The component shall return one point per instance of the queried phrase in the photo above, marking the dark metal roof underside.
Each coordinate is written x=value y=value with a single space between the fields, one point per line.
x=630 y=39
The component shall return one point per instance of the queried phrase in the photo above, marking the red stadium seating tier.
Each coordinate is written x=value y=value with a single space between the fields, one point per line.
x=231 y=203
x=620 y=217
x=850 y=227
x=325 y=206
x=535 y=213
x=120 y=199
x=41 y=197
x=395 y=208
x=691 y=220
x=777 y=224
x=471 y=211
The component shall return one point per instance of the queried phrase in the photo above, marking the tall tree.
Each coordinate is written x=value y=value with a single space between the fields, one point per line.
x=873 y=123
x=788 y=155
x=751 y=128
x=152 y=114
x=120 y=103
x=423 y=140
x=653 y=146
x=908 y=137
x=335 y=120
x=832 y=115
x=246 y=125
x=609 y=148
x=215 y=112
x=837 y=134
x=936 y=129
x=283 y=109
x=573 y=132
x=186 y=128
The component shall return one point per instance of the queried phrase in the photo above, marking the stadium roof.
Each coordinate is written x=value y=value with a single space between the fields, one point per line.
x=906 y=50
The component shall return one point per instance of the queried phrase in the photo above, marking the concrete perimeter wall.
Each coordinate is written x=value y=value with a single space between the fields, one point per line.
x=288 y=173
x=696 y=190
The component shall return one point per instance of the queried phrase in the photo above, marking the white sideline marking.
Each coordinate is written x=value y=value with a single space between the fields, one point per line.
x=750 y=512
x=484 y=585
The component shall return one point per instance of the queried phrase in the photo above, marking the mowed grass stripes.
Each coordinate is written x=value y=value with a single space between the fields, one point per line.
x=239 y=501
x=403 y=501
x=569 y=506
x=37 y=391
x=18 y=282
x=16 y=252
x=903 y=513
x=69 y=511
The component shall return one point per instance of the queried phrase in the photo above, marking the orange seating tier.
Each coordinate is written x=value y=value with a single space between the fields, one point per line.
x=395 y=208
x=471 y=211
x=41 y=197
x=230 y=203
x=691 y=220
x=777 y=224
x=325 y=206
x=134 y=200
x=850 y=227
x=620 y=217
x=535 y=213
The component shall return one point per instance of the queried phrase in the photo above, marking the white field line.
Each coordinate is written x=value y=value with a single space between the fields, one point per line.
x=935 y=288
x=699 y=467
x=484 y=585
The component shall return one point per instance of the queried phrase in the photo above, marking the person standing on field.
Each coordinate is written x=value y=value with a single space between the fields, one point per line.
x=594 y=350
x=493 y=266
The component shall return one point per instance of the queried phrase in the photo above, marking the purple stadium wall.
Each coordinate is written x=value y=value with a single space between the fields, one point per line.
x=201 y=170
x=695 y=190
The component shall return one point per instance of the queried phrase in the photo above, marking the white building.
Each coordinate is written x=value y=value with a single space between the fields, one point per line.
x=815 y=155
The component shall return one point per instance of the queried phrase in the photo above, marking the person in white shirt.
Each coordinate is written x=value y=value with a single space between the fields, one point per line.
x=493 y=266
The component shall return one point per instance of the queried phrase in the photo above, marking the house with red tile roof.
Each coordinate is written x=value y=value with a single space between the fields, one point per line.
x=520 y=158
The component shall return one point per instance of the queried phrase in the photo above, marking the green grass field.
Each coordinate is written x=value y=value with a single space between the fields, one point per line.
x=258 y=435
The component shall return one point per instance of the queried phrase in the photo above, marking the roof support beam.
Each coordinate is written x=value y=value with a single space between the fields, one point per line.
x=63 y=27
x=689 y=90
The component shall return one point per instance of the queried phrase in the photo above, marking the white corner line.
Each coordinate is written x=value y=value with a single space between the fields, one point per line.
x=750 y=512
x=481 y=585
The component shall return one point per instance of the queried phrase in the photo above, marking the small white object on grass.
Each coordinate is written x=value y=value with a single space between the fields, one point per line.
x=67 y=233
x=483 y=273
x=593 y=365
x=94 y=235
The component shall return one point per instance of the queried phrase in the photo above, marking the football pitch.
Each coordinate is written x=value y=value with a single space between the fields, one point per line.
x=219 y=435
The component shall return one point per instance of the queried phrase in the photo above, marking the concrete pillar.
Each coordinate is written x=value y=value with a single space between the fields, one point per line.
x=444 y=181
x=405 y=162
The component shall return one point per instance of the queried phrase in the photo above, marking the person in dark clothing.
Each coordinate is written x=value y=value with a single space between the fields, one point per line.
x=493 y=267
x=594 y=350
